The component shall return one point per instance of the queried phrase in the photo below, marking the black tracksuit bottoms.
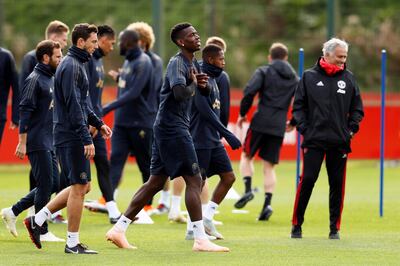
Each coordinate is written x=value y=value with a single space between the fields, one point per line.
x=335 y=161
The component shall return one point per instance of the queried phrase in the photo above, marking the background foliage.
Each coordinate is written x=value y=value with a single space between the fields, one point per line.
x=249 y=27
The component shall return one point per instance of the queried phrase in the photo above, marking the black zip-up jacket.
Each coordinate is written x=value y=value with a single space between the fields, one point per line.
x=8 y=78
x=327 y=108
x=28 y=64
x=275 y=84
x=136 y=104
x=156 y=75
x=95 y=71
x=36 y=109
x=224 y=87
x=72 y=113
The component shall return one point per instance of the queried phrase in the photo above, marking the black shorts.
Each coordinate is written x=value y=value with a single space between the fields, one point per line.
x=213 y=161
x=268 y=146
x=74 y=164
x=174 y=157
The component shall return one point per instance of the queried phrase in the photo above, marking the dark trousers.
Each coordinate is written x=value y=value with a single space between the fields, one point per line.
x=45 y=170
x=335 y=161
x=130 y=140
x=103 y=168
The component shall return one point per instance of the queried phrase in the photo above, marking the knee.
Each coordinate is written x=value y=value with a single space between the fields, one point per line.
x=228 y=179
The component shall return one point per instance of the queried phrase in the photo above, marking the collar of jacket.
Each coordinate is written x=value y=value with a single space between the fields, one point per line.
x=133 y=53
x=211 y=70
x=82 y=55
x=45 y=69
x=329 y=69
x=98 y=53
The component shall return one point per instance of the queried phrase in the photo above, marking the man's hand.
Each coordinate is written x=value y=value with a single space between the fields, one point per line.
x=89 y=151
x=105 y=131
x=13 y=126
x=289 y=127
x=20 y=151
x=240 y=121
x=93 y=131
x=202 y=80
x=114 y=74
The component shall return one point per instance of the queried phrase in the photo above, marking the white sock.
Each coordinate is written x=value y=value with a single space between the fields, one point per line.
x=210 y=210
x=54 y=215
x=123 y=223
x=12 y=213
x=164 y=198
x=175 y=206
x=112 y=208
x=115 y=194
x=72 y=239
x=189 y=226
x=42 y=216
x=204 y=208
x=198 y=230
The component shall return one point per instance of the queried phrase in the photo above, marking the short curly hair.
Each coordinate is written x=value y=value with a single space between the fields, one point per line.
x=145 y=31
x=175 y=31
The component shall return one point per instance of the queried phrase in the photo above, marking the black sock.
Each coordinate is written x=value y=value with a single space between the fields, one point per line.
x=268 y=197
x=247 y=183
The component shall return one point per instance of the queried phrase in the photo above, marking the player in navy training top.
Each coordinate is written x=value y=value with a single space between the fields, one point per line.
x=173 y=152
x=36 y=136
x=207 y=129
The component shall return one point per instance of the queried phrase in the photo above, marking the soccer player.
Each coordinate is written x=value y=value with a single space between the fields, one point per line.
x=328 y=110
x=72 y=138
x=56 y=31
x=178 y=183
x=146 y=42
x=173 y=152
x=36 y=136
x=275 y=84
x=206 y=130
x=8 y=78
x=95 y=70
x=136 y=108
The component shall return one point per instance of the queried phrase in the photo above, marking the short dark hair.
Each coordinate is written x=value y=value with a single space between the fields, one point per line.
x=131 y=37
x=82 y=30
x=105 y=30
x=57 y=27
x=46 y=47
x=211 y=50
x=278 y=51
x=177 y=29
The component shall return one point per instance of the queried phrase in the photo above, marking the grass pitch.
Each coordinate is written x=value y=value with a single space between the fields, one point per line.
x=366 y=239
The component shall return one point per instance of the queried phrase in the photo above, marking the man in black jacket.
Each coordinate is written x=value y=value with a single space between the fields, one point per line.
x=72 y=116
x=95 y=70
x=327 y=109
x=275 y=84
x=36 y=136
x=8 y=79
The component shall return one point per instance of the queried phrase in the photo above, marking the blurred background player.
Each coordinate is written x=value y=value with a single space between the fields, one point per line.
x=275 y=84
x=95 y=70
x=146 y=42
x=136 y=108
x=206 y=130
x=8 y=79
x=36 y=136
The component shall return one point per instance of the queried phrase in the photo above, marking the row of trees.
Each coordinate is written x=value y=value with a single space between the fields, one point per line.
x=249 y=27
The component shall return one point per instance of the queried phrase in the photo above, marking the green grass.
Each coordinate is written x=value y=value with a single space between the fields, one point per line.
x=367 y=239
